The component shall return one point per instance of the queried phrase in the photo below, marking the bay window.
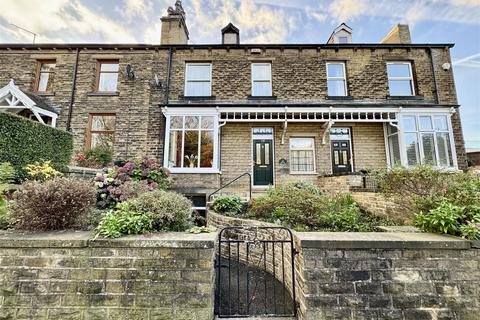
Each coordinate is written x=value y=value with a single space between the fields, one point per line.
x=423 y=139
x=302 y=155
x=192 y=143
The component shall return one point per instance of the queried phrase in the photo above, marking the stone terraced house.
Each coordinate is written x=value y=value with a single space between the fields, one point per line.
x=211 y=112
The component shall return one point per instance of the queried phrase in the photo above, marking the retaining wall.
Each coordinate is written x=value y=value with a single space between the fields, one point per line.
x=69 y=276
x=405 y=276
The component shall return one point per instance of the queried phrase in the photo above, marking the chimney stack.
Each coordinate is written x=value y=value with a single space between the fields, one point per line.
x=400 y=33
x=174 y=27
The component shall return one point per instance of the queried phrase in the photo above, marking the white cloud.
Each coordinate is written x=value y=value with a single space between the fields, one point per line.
x=132 y=9
x=472 y=61
x=471 y=3
x=62 y=19
x=257 y=22
x=344 y=10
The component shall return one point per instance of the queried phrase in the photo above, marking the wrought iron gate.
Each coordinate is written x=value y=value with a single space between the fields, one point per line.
x=255 y=272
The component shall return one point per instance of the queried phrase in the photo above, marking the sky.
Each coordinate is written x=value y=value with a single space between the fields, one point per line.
x=264 y=21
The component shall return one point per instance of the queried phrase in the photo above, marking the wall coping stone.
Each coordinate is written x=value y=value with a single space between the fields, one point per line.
x=380 y=240
x=75 y=169
x=81 y=239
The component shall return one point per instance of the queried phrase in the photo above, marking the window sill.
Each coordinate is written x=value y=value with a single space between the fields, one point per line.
x=45 y=94
x=194 y=170
x=262 y=97
x=405 y=97
x=304 y=173
x=103 y=94
x=197 y=97
x=338 y=98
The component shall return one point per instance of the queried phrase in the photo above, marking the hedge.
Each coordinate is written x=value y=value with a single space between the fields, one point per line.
x=23 y=141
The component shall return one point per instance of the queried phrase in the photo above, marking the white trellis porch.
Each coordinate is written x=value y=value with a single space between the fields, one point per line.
x=14 y=100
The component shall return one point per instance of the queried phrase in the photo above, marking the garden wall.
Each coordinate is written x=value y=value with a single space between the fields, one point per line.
x=412 y=276
x=87 y=174
x=407 y=276
x=70 y=276
x=376 y=203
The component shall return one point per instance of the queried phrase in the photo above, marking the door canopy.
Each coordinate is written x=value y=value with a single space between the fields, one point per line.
x=14 y=100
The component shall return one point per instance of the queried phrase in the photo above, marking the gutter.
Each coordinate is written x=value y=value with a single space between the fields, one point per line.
x=138 y=46
x=72 y=95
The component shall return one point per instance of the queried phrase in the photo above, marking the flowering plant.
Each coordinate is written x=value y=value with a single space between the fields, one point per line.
x=130 y=180
x=97 y=157
x=42 y=172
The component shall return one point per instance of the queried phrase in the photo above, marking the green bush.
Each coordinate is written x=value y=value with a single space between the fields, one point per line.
x=51 y=205
x=451 y=219
x=303 y=208
x=228 y=204
x=7 y=173
x=152 y=211
x=23 y=141
x=97 y=157
x=123 y=221
x=4 y=215
x=424 y=187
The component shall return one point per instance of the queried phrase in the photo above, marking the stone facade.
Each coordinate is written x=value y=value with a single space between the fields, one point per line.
x=298 y=79
x=70 y=276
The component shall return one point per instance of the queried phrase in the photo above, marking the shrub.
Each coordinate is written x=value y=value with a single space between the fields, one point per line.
x=51 y=205
x=145 y=170
x=423 y=188
x=7 y=173
x=451 y=219
x=228 y=204
x=4 y=215
x=152 y=211
x=123 y=221
x=23 y=141
x=303 y=207
x=97 y=157
x=170 y=211
x=41 y=172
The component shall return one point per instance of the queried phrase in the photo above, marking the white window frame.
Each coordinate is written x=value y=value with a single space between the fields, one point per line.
x=290 y=149
x=187 y=64
x=412 y=84
x=269 y=81
x=215 y=166
x=401 y=139
x=344 y=78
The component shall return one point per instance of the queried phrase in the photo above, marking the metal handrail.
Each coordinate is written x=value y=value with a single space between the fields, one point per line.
x=226 y=185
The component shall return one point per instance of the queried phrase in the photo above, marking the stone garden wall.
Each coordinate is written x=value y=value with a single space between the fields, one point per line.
x=407 y=276
x=70 y=276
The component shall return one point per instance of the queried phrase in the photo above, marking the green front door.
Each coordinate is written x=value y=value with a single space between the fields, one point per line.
x=262 y=162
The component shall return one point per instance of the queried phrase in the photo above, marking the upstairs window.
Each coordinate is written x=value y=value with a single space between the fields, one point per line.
x=107 y=76
x=400 y=79
x=101 y=130
x=336 y=80
x=198 y=80
x=261 y=79
x=302 y=155
x=45 y=76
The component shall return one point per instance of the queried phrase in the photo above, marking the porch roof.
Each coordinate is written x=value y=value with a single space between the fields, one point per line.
x=13 y=99
x=305 y=113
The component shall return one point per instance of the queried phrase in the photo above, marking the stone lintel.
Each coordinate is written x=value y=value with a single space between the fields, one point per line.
x=379 y=240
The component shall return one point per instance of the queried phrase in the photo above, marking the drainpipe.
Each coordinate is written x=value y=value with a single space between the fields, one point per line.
x=169 y=72
x=167 y=97
x=434 y=75
x=72 y=95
